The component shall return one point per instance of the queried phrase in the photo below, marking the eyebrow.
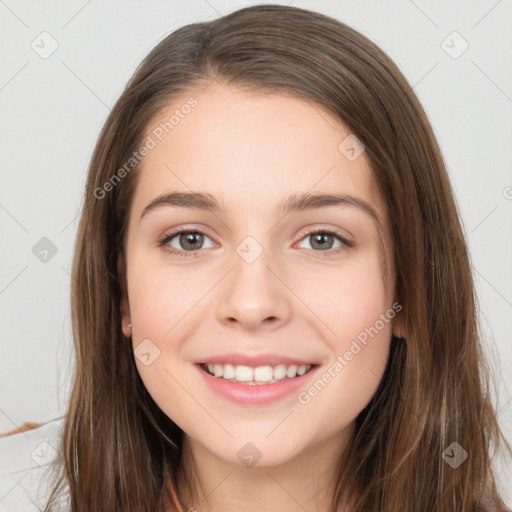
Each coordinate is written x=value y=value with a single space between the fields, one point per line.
x=294 y=203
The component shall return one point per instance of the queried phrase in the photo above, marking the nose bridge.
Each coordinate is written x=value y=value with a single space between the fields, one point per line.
x=252 y=293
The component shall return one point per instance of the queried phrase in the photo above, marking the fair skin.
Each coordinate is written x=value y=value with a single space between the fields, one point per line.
x=252 y=152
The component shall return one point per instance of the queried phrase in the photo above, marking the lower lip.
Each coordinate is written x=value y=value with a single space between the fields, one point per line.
x=255 y=394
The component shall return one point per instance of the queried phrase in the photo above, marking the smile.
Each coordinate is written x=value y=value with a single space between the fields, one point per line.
x=247 y=385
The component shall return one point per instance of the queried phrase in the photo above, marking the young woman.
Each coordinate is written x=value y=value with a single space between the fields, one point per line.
x=272 y=301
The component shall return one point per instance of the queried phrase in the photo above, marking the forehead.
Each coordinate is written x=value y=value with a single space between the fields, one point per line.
x=252 y=149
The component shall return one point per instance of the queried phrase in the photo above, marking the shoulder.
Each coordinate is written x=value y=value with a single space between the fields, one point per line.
x=27 y=456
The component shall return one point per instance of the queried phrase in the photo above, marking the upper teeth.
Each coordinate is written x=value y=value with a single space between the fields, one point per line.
x=259 y=374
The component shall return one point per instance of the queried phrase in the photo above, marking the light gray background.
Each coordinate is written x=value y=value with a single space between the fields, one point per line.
x=52 y=110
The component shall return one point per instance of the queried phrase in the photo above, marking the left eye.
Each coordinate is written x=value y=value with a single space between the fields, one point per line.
x=324 y=240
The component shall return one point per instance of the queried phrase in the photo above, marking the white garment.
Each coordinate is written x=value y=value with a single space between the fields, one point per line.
x=25 y=462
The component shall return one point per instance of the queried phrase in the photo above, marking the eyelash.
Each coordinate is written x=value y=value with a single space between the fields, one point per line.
x=188 y=254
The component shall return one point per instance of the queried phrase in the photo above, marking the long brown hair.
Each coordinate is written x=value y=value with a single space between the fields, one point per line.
x=120 y=451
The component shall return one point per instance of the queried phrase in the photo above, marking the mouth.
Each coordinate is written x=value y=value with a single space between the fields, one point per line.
x=256 y=376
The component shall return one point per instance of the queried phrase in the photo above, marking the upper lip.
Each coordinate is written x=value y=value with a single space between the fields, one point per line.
x=267 y=359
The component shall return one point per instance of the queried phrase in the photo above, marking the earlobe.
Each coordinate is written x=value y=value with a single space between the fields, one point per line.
x=125 y=306
x=399 y=334
x=125 y=316
x=398 y=327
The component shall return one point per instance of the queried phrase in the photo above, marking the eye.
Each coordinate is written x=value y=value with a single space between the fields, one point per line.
x=188 y=242
x=184 y=242
x=323 y=241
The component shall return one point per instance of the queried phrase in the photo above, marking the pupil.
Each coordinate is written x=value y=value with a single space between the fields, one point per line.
x=320 y=239
x=189 y=239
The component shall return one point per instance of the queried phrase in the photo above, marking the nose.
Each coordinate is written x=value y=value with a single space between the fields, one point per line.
x=254 y=296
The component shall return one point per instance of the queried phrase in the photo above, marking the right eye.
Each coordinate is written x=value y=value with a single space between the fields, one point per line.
x=190 y=241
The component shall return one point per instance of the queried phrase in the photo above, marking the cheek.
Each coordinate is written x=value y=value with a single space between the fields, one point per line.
x=357 y=316
x=348 y=299
x=160 y=297
x=160 y=300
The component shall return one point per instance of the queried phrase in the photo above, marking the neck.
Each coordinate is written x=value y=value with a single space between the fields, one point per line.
x=302 y=483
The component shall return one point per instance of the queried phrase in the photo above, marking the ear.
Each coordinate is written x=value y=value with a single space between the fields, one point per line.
x=125 y=305
x=399 y=325
x=125 y=316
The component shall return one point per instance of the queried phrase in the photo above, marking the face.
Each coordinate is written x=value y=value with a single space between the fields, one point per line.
x=256 y=290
